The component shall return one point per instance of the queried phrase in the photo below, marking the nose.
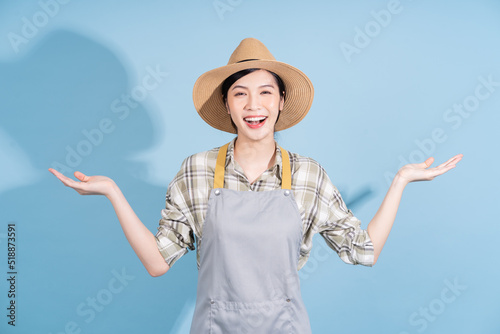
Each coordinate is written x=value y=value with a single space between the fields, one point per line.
x=253 y=102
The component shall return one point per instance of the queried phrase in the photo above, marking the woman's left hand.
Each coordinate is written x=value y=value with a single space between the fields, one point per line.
x=420 y=172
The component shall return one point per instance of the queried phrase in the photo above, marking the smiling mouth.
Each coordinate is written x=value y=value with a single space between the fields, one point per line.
x=255 y=120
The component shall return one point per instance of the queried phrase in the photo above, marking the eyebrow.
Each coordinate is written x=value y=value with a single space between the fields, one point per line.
x=240 y=86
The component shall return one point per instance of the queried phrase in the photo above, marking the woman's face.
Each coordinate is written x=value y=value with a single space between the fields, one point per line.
x=254 y=102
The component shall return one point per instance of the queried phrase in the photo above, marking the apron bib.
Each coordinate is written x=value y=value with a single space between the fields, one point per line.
x=248 y=280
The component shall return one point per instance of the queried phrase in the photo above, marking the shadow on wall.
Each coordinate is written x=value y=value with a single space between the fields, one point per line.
x=359 y=198
x=69 y=104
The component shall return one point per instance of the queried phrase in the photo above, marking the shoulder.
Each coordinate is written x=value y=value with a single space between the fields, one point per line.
x=196 y=166
x=309 y=175
x=313 y=188
x=203 y=159
x=303 y=164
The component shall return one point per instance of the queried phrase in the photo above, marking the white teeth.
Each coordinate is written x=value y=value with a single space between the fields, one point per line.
x=254 y=119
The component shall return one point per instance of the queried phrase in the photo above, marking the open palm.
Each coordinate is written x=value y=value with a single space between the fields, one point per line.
x=422 y=172
x=87 y=185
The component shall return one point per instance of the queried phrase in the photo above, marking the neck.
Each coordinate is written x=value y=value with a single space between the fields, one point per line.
x=256 y=153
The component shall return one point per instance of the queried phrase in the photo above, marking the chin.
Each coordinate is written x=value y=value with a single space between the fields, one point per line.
x=258 y=137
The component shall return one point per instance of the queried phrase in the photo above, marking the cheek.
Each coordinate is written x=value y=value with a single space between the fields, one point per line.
x=273 y=102
x=274 y=106
x=233 y=111
x=235 y=104
x=229 y=106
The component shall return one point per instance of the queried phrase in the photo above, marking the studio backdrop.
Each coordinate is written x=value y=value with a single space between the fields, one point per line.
x=105 y=88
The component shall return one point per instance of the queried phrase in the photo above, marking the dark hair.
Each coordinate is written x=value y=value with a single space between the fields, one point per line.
x=230 y=80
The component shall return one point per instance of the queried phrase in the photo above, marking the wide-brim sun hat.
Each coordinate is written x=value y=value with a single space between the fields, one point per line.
x=252 y=53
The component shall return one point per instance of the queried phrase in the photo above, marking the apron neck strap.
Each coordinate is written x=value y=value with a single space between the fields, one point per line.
x=220 y=167
x=286 y=174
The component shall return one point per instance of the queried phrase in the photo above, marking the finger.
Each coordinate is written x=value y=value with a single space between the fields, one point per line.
x=82 y=177
x=441 y=170
x=453 y=160
x=58 y=174
x=64 y=179
x=53 y=171
x=428 y=162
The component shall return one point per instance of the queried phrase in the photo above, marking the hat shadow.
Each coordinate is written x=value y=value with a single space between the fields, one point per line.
x=58 y=97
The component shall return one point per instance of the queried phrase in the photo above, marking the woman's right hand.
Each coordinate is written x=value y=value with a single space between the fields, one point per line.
x=88 y=185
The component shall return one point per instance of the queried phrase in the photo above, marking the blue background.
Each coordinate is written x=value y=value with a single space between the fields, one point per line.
x=375 y=109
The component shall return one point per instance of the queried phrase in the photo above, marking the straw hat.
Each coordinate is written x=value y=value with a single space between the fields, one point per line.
x=251 y=53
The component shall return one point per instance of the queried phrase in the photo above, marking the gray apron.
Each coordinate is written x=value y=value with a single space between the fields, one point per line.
x=248 y=280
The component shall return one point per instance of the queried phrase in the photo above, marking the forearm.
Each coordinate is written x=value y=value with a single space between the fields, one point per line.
x=140 y=238
x=381 y=224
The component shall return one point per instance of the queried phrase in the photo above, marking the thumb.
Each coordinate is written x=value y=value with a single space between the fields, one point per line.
x=428 y=162
x=82 y=177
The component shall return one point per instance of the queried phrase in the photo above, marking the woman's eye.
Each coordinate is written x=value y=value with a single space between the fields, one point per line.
x=266 y=92
x=238 y=94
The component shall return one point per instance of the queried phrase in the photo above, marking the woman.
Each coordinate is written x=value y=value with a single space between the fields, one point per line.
x=250 y=244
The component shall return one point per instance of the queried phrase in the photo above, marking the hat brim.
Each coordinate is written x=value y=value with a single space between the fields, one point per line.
x=207 y=94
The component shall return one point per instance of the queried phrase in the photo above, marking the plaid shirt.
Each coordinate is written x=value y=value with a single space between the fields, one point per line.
x=320 y=204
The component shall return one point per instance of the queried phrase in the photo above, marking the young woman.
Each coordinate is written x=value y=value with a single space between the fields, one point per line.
x=251 y=207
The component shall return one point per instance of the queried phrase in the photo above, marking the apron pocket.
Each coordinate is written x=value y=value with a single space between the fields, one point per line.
x=273 y=316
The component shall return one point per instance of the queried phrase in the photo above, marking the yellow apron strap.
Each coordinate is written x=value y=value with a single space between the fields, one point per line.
x=286 y=174
x=220 y=167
